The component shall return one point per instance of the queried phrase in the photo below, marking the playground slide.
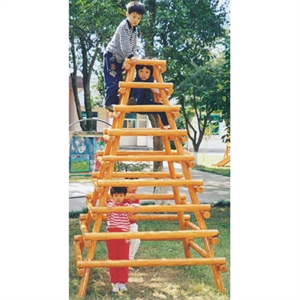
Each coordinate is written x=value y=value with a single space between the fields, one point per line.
x=223 y=162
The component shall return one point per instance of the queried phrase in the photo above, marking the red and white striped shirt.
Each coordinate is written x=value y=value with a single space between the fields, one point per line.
x=118 y=219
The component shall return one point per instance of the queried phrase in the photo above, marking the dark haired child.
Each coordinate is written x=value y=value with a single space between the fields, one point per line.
x=121 y=46
x=118 y=249
x=142 y=96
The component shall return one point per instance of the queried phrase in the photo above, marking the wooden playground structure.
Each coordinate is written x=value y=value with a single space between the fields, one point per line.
x=226 y=158
x=90 y=223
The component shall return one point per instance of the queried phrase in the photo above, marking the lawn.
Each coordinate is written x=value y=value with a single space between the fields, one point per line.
x=186 y=282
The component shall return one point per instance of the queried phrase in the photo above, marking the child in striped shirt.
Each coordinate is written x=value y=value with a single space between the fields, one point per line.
x=121 y=46
x=118 y=249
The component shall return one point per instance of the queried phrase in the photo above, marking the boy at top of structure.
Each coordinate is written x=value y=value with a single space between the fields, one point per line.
x=121 y=46
x=144 y=96
x=134 y=243
x=118 y=249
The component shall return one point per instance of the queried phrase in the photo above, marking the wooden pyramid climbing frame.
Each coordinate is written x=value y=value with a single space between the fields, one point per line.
x=90 y=223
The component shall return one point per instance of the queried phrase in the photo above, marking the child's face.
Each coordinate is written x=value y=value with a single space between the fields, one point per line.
x=144 y=73
x=118 y=198
x=134 y=18
x=131 y=189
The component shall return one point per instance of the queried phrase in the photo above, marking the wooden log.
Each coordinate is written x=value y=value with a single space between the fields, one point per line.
x=215 y=241
x=156 y=217
x=146 y=62
x=192 y=225
x=153 y=217
x=136 y=152
x=78 y=255
x=178 y=158
x=199 y=189
x=174 y=158
x=153 y=208
x=222 y=268
x=198 y=249
x=138 y=175
x=151 y=235
x=156 y=196
x=149 y=182
x=206 y=214
x=146 y=85
x=151 y=262
x=145 y=132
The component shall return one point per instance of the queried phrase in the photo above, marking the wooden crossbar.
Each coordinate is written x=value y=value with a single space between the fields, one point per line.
x=150 y=196
x=144 y=132
x=153 y=208
x=151 y=235
x=145 y=85
x=147 y=217
x=177 y=158
x=147 y=62
x=145 y=108
x=151 y=262
x=139 y=175
x=148 y=182
x=144 y=153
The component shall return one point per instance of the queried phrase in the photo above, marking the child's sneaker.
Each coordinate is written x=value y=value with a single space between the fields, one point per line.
x=110 y=108
x=115 y=288
x=132 y=101
x=123 y=287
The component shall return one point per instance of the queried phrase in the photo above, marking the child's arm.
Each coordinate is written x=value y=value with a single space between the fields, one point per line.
x=135 y=205
x=134 y=59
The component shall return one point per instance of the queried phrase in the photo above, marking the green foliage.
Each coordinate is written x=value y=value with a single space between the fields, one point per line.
x=91 y=24
x=180 y=125
x=76 y=214
x=130 y=167
x=225 y=171
x=200 y=95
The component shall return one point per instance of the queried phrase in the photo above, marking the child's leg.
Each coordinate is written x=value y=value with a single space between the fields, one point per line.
x=162 y=115
x=112 y=254
x=123 y=253
x=135 y=243
x=112 y=76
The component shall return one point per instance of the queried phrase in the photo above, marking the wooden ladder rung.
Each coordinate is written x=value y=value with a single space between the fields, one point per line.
x=151 y=262
x=139 y=175
x=145 y=108
x=148 y=182
x=137 y=152
x=150 y=196
x=150 y=235
x=145 y=85
x=178 y=158
x=153 y=208
x=144 y=132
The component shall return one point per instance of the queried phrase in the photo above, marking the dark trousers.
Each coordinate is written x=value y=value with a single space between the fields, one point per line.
x=162 y=115
x=112 y=77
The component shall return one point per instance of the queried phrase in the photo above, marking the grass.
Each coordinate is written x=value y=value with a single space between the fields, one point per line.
x=186 y=282
x=224 y=171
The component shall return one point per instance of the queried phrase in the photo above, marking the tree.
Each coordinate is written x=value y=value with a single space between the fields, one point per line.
x=201 y=94
x=91 y=23
x=181 y=32
x=172 y=30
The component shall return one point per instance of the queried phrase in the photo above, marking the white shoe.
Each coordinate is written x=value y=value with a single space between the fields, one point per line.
x=116 y=288
x=123 y=287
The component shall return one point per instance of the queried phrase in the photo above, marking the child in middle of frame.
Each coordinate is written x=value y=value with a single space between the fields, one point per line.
x=134 y=243
x=144 y=96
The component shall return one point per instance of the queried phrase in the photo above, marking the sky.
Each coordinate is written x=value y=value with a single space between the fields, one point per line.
x=265 y=76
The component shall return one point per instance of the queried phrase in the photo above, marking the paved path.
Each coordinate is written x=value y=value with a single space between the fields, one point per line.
x=216 y=189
